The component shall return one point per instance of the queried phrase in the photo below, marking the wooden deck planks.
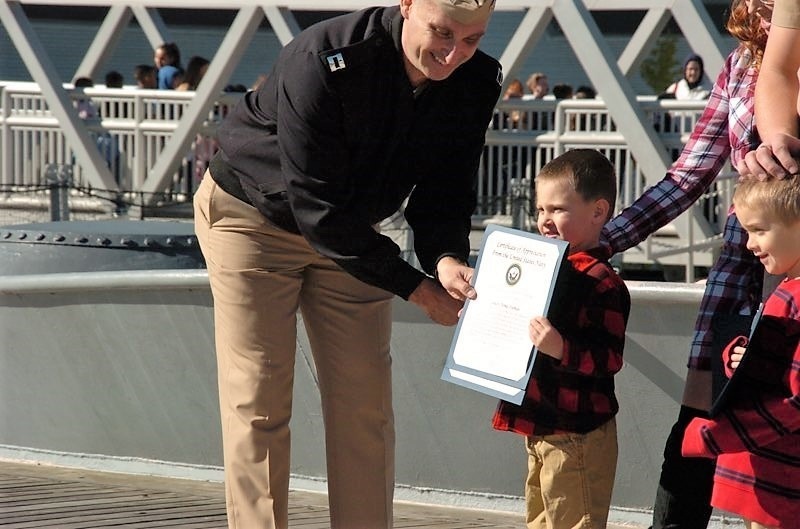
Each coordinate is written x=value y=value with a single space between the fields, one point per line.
x=47 y=497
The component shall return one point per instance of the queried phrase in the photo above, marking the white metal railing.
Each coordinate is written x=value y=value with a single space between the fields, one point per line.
x=131 y=128
x=524 y=135
x=515 y=153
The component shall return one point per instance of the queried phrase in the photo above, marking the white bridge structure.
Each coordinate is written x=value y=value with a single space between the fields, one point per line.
x=149 y=139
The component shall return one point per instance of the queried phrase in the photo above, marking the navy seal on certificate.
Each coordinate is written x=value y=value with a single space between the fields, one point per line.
x=515 y=277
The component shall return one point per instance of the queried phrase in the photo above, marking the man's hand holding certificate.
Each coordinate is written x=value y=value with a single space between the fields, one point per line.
x=515 y=277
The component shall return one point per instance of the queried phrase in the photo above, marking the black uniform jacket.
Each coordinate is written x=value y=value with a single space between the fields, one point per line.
x=335 y=140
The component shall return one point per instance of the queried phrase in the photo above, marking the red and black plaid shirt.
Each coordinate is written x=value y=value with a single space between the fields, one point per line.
x=576 y=394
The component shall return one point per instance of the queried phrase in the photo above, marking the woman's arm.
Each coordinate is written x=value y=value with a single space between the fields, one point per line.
x=776 y=102
x=687 y=179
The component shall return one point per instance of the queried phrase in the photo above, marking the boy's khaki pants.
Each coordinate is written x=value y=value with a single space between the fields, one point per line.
x=570 y=478
x=260 y=276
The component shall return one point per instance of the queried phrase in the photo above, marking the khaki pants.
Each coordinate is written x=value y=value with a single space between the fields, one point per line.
x=570 y=479
x=260 y=276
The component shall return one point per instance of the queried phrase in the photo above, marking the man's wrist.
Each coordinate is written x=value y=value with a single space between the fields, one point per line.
x=457 y=260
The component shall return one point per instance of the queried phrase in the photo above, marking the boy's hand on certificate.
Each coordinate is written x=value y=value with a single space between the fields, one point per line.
x=545 y=337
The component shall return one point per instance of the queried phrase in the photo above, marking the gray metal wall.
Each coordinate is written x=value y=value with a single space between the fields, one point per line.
x=111 y=368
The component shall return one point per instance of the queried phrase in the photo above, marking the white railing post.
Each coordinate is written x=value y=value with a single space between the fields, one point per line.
x=139 y=171
x=5 y=137
x=559 y=128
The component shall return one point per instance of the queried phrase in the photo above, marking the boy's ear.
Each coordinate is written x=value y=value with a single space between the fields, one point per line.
x=601 y=210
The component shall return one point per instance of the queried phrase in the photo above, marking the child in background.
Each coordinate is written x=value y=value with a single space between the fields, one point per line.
x=514 y=119
x=757 y=440
x=568 y=413
x=85 y=106
x=146 y=76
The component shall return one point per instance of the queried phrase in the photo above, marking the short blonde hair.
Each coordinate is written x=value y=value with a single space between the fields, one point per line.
x=467 y=11
x=778 y=198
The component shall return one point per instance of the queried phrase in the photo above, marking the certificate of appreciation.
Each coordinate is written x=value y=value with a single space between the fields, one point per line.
x=515 y=278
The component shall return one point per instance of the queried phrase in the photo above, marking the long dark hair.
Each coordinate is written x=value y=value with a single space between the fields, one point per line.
x=194 y=71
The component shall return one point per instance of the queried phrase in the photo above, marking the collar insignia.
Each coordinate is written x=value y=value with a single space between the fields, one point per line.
x=336 y=62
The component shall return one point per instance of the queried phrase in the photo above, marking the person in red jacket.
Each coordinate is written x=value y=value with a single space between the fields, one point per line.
x=756 y=439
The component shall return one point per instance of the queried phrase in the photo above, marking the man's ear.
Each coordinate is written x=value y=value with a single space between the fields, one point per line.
x=601 y=210
x=405 y=5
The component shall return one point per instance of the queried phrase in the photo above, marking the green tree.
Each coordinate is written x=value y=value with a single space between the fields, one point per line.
x=661 y=68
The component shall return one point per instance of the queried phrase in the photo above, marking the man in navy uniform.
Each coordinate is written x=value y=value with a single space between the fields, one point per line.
x=359 y=113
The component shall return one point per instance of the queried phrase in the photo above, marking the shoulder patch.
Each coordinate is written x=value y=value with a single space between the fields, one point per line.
x=485 y=67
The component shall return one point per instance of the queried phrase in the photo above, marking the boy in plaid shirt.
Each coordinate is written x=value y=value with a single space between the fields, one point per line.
x=568 y=413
